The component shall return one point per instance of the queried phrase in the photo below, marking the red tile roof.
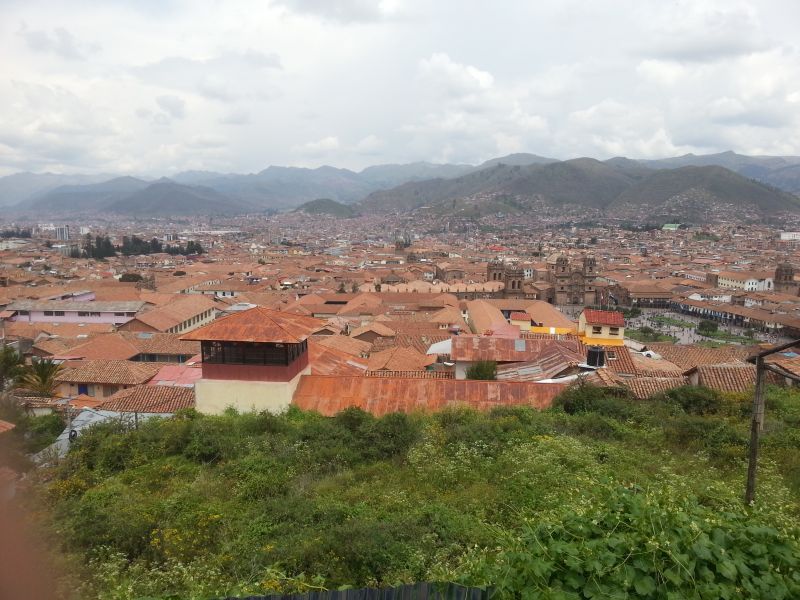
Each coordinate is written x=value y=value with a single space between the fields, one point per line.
x=258 y=324
x=112 y=372
x=6 y=426
x=603 y=317
x=381 y=395
x=150 y=399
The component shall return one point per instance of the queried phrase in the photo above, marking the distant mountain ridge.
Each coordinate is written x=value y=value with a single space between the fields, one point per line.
x=510 y=183
x=135 y=197
x=617 y=188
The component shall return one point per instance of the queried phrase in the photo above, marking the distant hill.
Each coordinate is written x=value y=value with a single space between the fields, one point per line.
x=168 y=198
x=782 y=172
x=697 y=194
x=513 y=183
x=326 y=206
x=131 y=196
x=519 y=159
x=582 y=181
x=87 y=198
x=616 y=188
x=19 y=187
x=285 y=187
x=385 y=176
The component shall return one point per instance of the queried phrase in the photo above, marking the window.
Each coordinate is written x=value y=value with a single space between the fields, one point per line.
x=88 y=314
x=23 y=313
x=614 y=331
x=611 y=355
x=597 y=330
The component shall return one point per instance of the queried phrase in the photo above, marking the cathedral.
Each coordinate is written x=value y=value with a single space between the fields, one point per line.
x=561 y=282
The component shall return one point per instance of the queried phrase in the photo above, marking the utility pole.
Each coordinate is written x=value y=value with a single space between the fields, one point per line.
x=756 y=425
x=757 y=422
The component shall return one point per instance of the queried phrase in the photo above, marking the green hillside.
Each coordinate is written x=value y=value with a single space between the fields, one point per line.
x=326 y=206
x=604 y=496
x=703 y=189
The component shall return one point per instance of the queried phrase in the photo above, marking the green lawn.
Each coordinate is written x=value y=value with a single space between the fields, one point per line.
x=673 y=322
x=642 y=336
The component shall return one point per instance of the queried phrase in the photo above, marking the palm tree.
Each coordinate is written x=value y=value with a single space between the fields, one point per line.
x=39 y=378
x=11 y=366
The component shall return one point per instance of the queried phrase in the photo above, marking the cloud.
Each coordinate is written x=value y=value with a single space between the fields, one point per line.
x=223 y=78
x=453 y=78
x=237 y=116
x=691 y=31
x=317 y=148
x=59 y=41
x=174 y=106
x=346 y=11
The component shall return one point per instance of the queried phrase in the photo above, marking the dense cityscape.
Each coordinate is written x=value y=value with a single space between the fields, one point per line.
x=399 y=301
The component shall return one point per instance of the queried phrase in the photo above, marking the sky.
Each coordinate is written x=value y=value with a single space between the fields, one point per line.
x=155 y=87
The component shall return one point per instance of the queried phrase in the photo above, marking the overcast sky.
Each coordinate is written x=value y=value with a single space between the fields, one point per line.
x=159 y=86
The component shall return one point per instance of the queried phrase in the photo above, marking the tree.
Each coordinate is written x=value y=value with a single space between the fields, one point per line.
x=705 y=326
x=11 y=366
x=749 y=333
x=39 y=378
x=130 y=278
x=354 y=288
x=342 y=289
x=485 y=370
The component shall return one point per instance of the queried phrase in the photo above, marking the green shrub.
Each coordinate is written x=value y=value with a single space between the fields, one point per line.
x=644 y=544
x=485 y=370
x=694 y=400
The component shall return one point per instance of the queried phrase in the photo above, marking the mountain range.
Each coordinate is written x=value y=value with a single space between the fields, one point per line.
x=690 y=187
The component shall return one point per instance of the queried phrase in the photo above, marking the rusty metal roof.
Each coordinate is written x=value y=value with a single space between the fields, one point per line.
x=258 y=324
x=329 y=395
x=501 y=349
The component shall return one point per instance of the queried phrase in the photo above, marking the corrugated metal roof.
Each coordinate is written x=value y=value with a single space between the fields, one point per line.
x=382 y=395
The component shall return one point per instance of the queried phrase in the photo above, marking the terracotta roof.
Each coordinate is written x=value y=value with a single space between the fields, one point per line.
x=645 y=387
x=6 y=426
x=399 y=359
x=329 y=360
x=690 y=356
x=258 y=324
x=731 y=377
x=382 y=395
x=180 y=309
x=344 y=343
x=150 y=399
x=112 y=372
x=603 y=317
x=375 y=327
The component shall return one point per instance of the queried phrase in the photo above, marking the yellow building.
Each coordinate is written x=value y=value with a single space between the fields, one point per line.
x=602 y=327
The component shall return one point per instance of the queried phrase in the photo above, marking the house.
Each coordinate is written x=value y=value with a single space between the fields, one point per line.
x=252 y=360
x=602 y=327
x=184 y=313
x=102 y=379
x=159 y=399
x=72 y=311
x=467 y=350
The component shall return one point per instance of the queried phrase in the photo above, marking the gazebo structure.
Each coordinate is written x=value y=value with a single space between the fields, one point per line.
x=252 y=360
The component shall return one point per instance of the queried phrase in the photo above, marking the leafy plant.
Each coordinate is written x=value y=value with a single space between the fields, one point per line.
x=484 y=370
